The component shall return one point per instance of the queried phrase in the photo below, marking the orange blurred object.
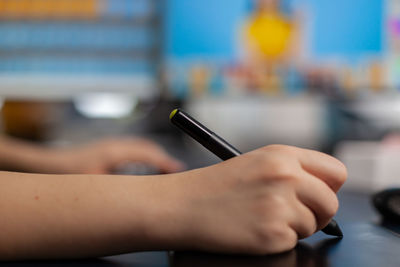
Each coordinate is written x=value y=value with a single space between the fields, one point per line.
x=27 y=119
x=42 y=9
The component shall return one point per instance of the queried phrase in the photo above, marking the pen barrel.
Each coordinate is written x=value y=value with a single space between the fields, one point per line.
x=204 y=136
x=215 y=144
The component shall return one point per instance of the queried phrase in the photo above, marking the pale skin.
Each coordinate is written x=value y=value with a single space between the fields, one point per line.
x=98 y=157
x=259 y=203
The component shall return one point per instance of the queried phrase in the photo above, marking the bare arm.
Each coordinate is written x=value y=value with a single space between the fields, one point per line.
x=258 y=203
x=100 y=157
x=78 y=216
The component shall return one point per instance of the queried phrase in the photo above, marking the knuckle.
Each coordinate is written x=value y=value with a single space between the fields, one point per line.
x=329 y=211
x=339 y=177
x=273 y=147
x=279 y=202
x=309 y=230
x=282 y=151
x=278 y=168
x=287 y=177
x=272 y=207
x=342 y=176
x=280 y=148
x=305 y=224
x=274 y=238
x=333 y=207
x=270 y=232
x=278 y=165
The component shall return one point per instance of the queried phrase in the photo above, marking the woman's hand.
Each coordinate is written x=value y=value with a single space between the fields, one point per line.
x=259 y=203
x=102 y=157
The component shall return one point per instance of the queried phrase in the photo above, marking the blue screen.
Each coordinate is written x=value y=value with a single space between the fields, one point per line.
x=209 y=28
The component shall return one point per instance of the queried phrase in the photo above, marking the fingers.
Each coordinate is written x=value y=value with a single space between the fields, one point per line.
x=316 y=177
x=150 y=153
x=280 y=238
x=110 y=153
x=304 y=222
x=318 y=197
x=160 y=160
x=324 y=167
x=327 y=168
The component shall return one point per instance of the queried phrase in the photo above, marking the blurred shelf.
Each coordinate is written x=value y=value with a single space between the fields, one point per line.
x=81 y=53
x=66 y=87
x=55 y=52
x=109 y=20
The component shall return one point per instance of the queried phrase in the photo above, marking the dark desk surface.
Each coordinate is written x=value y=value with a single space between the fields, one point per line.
x=366 y=243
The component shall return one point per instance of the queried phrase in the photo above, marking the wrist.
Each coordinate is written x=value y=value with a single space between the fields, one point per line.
x=170 y=216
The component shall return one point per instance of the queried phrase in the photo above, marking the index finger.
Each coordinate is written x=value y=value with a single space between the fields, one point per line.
x=327 y=168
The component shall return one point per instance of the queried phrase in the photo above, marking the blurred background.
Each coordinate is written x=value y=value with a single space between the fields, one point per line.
x=317 y=74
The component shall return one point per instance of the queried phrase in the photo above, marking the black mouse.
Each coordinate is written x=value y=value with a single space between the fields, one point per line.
x=387 y=202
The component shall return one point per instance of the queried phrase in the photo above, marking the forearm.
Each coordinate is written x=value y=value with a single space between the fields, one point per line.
x=78 y=216
x=18 y=155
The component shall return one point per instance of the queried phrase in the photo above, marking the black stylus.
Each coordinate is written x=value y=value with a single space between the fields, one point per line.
x=222 y=149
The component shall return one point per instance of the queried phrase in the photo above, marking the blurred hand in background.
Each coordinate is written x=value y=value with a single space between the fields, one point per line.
x=100 y=157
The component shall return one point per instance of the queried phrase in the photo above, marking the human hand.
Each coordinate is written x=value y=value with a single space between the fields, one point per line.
x=104 y=156
x=259 y=203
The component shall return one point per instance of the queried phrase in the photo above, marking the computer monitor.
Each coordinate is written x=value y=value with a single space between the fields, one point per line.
x=64 y=48
x=343 y=41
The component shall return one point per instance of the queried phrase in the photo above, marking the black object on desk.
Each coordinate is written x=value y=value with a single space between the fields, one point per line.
x=387 y=202
x=222 y=149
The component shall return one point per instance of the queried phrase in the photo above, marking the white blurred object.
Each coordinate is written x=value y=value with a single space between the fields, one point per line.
x=105 y=105
x=252 y=122
x=382 y=111
x=371 y=166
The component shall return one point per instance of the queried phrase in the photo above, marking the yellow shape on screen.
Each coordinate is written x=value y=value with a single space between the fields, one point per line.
x=271 y=33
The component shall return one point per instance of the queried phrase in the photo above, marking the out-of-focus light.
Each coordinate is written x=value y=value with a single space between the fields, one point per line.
x=105 y=105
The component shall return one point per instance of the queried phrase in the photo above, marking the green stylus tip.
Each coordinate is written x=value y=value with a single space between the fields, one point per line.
x=173 y=114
